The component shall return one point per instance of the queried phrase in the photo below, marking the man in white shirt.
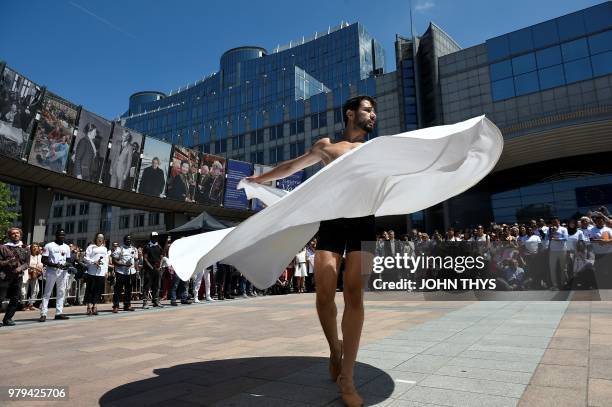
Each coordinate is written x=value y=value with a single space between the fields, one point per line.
x=557 y=237
x=124 y=259
x=601 y=242
x=54 y=256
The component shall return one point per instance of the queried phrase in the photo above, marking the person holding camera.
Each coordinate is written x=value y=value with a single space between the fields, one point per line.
x=14 y=261
x=54 y=256
x=124 y=259
x=96 y=257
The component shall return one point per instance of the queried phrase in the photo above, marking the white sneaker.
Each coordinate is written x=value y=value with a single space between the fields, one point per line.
x=209 y=299
x=197 y=301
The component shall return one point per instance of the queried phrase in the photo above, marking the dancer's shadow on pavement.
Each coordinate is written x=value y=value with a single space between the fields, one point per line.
x=258 y=381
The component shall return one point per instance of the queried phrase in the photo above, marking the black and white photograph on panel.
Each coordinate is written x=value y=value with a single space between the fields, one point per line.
x=90 y=146
x=120 y=167
x=20 y=100
x=154 y=167
x=54 y=133
x=183 y=174
x=212 y=180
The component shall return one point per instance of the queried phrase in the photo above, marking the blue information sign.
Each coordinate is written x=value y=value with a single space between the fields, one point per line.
x=291 y=182
x=234 y=198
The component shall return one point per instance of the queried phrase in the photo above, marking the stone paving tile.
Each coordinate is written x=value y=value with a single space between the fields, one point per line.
x=456 y=398
x=566 y=357
x=499 y=356
x=472 y=385
x=600 y=392
x=570 y=377
x=539 y=396
x=514 y=366
x=487 y=374
x=422 y=364
x=600 y=369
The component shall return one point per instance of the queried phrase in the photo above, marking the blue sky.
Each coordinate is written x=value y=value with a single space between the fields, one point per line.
x=97 y=53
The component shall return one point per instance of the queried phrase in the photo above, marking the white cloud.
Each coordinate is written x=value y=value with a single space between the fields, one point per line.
x=424 y=5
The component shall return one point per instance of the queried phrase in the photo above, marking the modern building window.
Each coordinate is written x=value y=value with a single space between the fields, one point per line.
x=124 y=222
x=578 y=70
x=545 y=34
x=501 y=70
x=338 y=136
x=314 y=121
x=503 y=89
x=300 y=126
x=221 y=146
x=337 y=115
x=69 y=227
x=296 y=149
x=58 y=197
x=139 y=220
x=293 y=128
x=520 y=41
x=549 y=56
x=322 y=119
x=260 y=136
x=84 y=208
x=238 y=142
x=551 y=77
x=526 y=83
x=71 y=210
x=575 y=50
x=280 y=132
x=601 y=42
x=498 y=48
x=81 y=243
x=524 y=63
x=58 y=211
x=82 y=226
x=153 y=219
x=602 y=63
x=257 y=157
x=571 y=26
x=276 y=154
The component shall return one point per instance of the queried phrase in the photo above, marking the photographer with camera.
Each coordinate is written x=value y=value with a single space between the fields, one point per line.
x=124 y=259
x=55 y=255
x=14 y=260
x=96 y=257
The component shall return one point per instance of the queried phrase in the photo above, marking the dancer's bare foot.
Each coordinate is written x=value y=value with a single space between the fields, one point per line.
x=349 y=394
x=335 y=361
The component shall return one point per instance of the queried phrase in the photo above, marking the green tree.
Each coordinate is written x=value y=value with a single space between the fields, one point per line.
x=7 y=213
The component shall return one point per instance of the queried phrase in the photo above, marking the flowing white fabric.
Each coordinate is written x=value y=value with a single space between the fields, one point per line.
x=388 y=175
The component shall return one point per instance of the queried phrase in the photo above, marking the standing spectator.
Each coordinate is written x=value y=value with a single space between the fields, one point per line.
x=35 y=271
x=97 y=259
x=124 y=259
x=197 y=282
x=310 y=254
x=55 y=256
x=14 y=260
x=300 y=270
x=601 y=240
x=152 y=257
x=70 y=279
x=557 y=256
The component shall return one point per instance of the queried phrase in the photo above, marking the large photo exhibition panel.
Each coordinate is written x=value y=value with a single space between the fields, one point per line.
x=54 y=133
x=20 y=100
x=90 y=147
x=123 y=157
x=183 y=177
x=211 y=183
x=154 y=167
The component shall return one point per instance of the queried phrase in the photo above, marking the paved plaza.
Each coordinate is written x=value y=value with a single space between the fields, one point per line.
x=270 y=351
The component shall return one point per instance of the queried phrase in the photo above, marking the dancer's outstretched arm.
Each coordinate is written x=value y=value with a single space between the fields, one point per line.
x=313 y=156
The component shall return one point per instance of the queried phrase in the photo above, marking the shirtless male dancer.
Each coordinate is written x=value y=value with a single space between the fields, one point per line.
x=336 y=236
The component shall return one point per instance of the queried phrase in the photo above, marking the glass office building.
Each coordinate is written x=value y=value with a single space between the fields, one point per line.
x=258 y=100
x=548 y=87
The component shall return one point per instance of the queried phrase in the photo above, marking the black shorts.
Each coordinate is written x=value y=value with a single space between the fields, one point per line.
x=338 y=235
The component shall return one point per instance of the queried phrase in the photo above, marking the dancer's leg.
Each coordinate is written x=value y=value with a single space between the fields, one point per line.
x=327 y=264
x=352 y=319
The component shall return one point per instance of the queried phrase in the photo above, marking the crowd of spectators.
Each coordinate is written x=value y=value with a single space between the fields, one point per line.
x=538 y=254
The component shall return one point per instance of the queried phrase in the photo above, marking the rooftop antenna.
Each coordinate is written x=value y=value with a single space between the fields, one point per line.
x=411 y=21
